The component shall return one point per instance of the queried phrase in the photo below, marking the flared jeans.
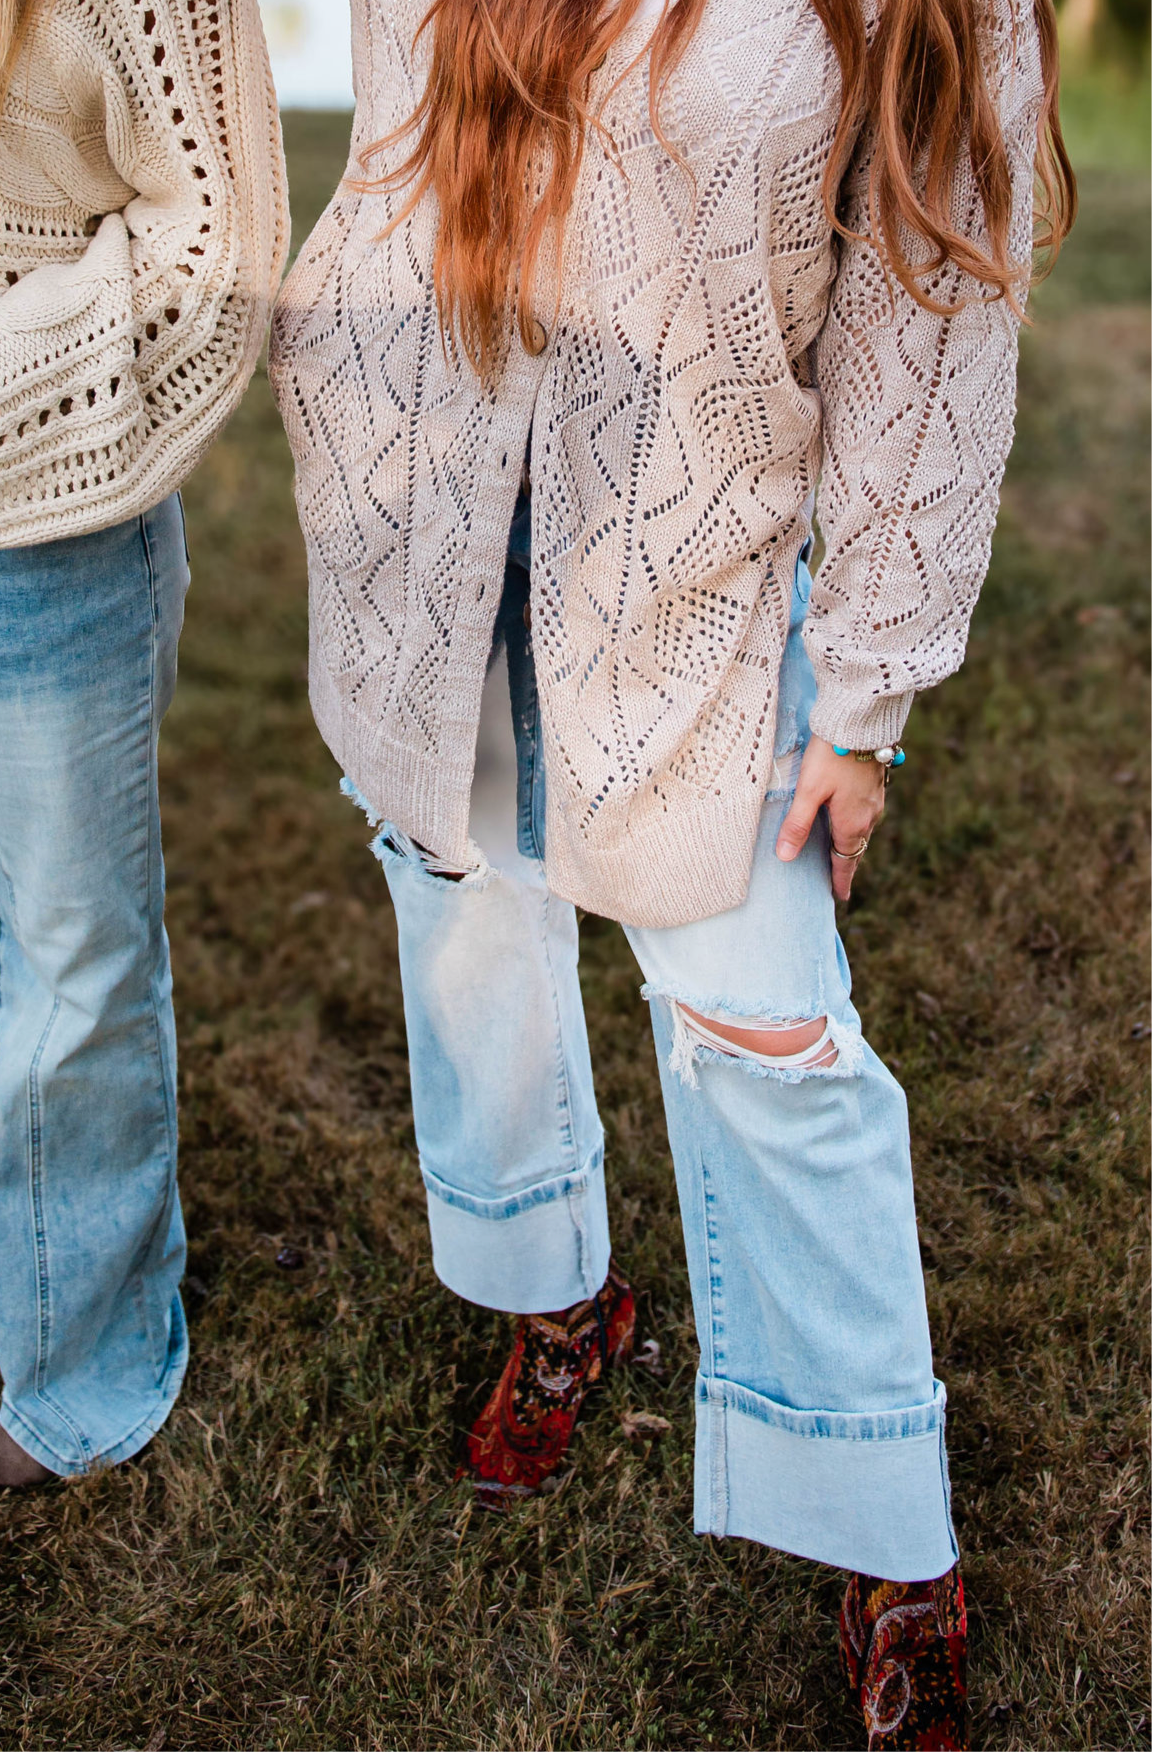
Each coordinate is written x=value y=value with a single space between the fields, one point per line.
x=92 y=1337
x=819 y=1423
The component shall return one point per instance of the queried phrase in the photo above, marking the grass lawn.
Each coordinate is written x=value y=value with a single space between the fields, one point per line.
x=290 y=1563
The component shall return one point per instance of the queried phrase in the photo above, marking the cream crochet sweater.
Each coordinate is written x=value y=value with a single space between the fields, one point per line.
x=144 y=230
x=715 y=355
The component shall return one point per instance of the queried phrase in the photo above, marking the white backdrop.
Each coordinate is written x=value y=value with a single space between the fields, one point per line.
x=308 y=41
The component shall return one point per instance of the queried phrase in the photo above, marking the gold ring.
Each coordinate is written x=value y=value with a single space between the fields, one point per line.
x=849 y=857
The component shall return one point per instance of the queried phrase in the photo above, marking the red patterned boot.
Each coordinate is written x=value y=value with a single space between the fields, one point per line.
x=522 y=1435
x=903 y=1648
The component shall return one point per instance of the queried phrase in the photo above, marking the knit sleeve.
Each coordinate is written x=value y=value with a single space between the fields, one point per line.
x=122 y=353
x=918 y=413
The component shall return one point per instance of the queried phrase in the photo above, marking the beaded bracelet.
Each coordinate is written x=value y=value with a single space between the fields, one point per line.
x=891 y=755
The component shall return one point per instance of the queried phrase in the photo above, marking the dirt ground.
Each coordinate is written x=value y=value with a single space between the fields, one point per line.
x=290 y=1564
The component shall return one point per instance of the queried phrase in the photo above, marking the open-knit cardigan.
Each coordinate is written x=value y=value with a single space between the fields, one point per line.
x=143 y=228
x=713 y=352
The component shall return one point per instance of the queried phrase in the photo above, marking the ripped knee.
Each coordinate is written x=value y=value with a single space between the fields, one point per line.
x=787 y=1049
x=400 y=845
x=390 y=842
x=797 y=1044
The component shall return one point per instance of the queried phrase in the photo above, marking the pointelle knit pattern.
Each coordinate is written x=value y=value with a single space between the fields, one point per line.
x=143 y=229
x=712 y=354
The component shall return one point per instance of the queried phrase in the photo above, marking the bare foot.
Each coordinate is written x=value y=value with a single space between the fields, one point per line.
x=18 y=1468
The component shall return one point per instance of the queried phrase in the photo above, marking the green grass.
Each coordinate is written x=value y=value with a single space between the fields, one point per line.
x=290 y=1564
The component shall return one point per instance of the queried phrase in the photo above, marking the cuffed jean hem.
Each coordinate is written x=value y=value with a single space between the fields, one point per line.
x=857 y=1490
x=92 y=1457
x=541 y=1248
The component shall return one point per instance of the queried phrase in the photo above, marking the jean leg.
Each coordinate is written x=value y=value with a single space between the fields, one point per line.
x=511 y=1145
x=92 y=1337
x=820 y=1426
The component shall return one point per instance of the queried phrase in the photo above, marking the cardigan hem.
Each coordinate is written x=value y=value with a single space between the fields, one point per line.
x=665 y=870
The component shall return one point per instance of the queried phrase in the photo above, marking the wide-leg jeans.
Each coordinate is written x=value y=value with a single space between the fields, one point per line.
x=92 y=1337
x=819 y=1423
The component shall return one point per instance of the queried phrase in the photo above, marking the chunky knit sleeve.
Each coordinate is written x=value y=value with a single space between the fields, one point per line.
x=128 y=332
x=918 y=416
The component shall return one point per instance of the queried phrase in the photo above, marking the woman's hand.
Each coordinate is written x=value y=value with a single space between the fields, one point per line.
x=854 y=792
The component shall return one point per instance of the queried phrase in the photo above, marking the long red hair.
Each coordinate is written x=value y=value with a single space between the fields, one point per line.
x=507 y=93
x=15 y=23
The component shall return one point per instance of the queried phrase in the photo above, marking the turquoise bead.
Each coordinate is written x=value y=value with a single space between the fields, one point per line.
x=899 y=757
x=836 y=750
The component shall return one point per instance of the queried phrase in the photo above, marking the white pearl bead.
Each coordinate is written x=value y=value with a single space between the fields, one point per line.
x=885 y=756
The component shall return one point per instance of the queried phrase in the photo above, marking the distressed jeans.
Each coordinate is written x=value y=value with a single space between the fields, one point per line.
x=819 y=1423
x=92 y=1337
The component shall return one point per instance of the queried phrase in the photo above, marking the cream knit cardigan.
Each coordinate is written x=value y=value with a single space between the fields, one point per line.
x=144 y=228
x=714 y=354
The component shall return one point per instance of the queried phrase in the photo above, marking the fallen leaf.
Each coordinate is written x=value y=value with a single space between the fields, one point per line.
x=648 y=1357
x=619 y=1593
x=644 y=1423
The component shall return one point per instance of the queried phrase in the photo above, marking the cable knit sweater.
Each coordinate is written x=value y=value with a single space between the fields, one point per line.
x=715 y=353
x=144 y=227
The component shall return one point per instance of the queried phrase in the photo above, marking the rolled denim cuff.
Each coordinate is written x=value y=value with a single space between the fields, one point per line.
x=541 y=1248
x=864 y=1491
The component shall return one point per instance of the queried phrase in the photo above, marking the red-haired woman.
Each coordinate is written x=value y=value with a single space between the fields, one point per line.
x=613 y=298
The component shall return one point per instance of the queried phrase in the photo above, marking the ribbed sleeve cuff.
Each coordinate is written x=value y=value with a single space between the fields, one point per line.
x=860 y=723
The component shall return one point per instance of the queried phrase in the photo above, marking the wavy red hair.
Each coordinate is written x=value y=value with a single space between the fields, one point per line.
x=15 y=23
x=503 y=120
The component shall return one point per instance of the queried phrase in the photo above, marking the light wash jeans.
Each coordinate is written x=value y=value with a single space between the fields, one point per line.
x=819 y=1424
x=92 y=1337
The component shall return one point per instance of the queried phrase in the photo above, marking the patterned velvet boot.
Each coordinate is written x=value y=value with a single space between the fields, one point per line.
x=903 y=1654
x=522 y=1435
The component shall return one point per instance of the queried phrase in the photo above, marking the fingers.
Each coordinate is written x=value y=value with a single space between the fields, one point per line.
x=843 y=871
x=797 y=824
x=850 y=827
x=854 y=794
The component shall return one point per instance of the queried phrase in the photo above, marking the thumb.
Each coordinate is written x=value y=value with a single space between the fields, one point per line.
x=797 y=825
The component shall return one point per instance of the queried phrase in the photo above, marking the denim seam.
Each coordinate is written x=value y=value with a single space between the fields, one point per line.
x=535 y=766
x=718 y=1466
x=565 y=1186
x=715 y=1277
x=718 y=1455
x=946 y=1484
x=567 y=1135
x=153 y=852
x=40 y=1237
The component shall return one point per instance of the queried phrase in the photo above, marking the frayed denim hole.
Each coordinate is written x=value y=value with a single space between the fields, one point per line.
x=784 y=773
x=356 y=795
x=689 y=1050
x=391 y=846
